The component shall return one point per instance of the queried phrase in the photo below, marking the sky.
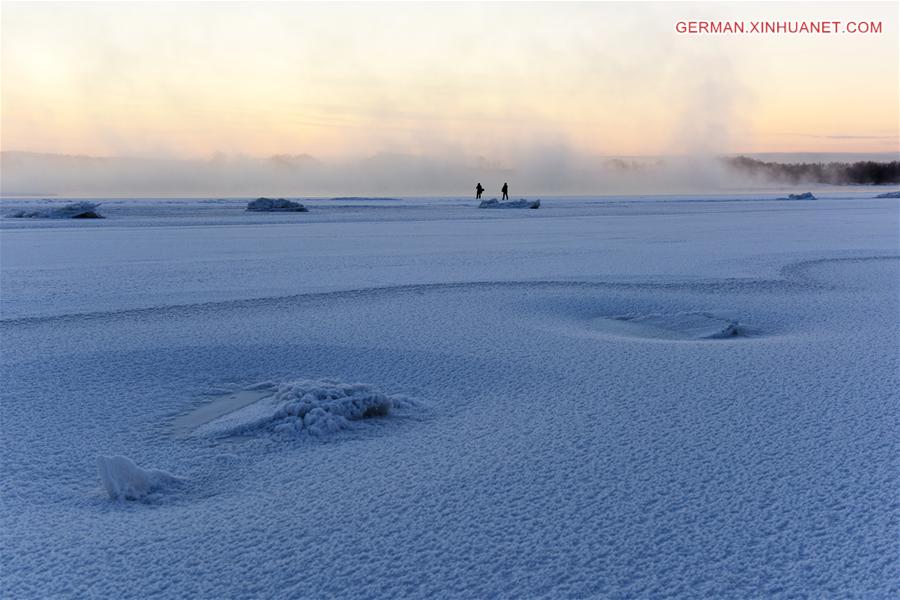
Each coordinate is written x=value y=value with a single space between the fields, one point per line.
x=495 y=84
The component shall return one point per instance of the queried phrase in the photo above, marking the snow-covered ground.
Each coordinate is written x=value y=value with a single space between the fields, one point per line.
x=656 y=396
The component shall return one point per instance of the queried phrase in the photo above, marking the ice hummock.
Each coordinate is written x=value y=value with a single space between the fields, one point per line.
x=124 y=480
x=803 y=196
x=520 y=203
x=275 y=205
x=305 y=407
x=72 y=210
x=889 y=195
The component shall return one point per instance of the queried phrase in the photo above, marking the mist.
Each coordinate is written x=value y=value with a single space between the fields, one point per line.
x=552 y=170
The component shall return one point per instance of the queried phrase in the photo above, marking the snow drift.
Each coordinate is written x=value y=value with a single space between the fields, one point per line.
x=306 y=407
x=889 y=195
x=521 y=203
x=72 y=210
x=275 y=205
x=124 y=480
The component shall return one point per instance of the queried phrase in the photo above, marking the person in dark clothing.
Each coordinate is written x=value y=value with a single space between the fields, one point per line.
x=478 y=190
x=505 y=190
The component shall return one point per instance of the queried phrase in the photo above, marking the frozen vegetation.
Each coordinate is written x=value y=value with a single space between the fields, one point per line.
x=72 y=210
x=521 y=203
x=275 y=205
x=614 y=397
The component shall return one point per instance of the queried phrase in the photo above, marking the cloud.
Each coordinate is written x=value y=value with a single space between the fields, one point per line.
x=842 y=136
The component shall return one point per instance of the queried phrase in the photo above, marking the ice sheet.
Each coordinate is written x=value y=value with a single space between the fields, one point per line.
x=542 y=460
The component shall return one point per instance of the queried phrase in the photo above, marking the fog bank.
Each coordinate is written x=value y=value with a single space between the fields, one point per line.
x=549 y=171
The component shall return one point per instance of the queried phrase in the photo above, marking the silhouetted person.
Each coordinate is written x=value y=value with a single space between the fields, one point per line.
x=478 y=190
x=505 y=190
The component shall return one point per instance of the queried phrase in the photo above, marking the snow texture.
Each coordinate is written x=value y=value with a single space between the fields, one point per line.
x=365 y=199
x=124 y=480
x=72 y=210
x=275 y=205
x=521 y=203
x=554 y=452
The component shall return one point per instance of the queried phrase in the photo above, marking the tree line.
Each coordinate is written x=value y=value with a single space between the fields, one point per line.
x=835 y=173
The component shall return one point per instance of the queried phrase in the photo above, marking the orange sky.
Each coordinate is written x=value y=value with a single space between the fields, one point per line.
x=493 y=80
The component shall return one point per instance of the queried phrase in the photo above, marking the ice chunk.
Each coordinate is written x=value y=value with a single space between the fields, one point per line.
x=803 y=196
x=306 y=407
x=72 y=210
x=124 y=480
x=672 y=326
x=275 y=205
x=520 y=203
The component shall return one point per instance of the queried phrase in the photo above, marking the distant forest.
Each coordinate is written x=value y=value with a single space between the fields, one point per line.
x=836 y=173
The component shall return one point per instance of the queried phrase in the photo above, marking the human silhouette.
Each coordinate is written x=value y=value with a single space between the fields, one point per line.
x=505 y=190
x=478 y=190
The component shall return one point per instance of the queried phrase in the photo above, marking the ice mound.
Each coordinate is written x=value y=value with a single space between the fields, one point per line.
x=803 y=196
x=72 y=210
x=520 y=203
x=305 y=407
x=672 y=326
x=124 y=480
x=889 y=195
x=275 y=205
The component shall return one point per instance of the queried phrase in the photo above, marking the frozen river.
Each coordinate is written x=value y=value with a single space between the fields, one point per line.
x=616 y=396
